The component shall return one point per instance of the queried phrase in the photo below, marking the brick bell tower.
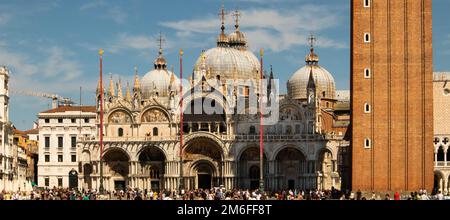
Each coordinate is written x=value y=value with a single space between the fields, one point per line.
x=392 y=95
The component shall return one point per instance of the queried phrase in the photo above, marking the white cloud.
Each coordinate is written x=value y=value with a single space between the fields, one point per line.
x=137 y=42
x=108 y=10
x=92 y=4
x=57 y=65
x=273 y=29
x=116 y=14
x=54 y=72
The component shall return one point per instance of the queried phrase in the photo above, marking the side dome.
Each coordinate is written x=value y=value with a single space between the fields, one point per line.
x=158 y=81
x=324 y=80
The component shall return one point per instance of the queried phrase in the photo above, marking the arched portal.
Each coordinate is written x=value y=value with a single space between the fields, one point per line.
x=204 y=174
x=202 y=160
x=117 y=163
x=291 y=169
x=151 y=168
x=249 y=163
x=73 y=179
x=87 y=171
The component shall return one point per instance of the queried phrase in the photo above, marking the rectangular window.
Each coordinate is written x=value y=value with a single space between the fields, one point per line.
x=60 y=158
x=60 y=142
x=73 y=141
x=367 y=108
x=367 y=73
x=47 y=142
x=367 y=143
x=73 y=158
x=47 y=181
x=47 y=120
x=60 y=120
x=366 y=38
x=73 y=120
x=86 y=120
x=60 y=181
x=47 y=158
x=366 y=3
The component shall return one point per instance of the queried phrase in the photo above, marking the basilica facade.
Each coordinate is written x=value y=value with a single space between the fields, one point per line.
x=305 y=149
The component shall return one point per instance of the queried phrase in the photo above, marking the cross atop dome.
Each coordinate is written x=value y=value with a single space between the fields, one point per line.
x=161 y=41
x=236 y=15
x=312 y=58
x=223 y=15
x=312 y=40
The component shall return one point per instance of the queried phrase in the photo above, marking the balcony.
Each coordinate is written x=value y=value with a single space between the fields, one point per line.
x=442 y=164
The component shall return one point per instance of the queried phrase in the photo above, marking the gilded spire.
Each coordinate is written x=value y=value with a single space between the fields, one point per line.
x=136 y=86
x=311 y=82
x=111 y=86
x=98 y=87
x=119 y=89
x=312 y=58
x=128 y=94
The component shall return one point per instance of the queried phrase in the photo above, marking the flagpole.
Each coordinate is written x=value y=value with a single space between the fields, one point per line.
x=101 y=188
x=181 y=185
x=261 y=126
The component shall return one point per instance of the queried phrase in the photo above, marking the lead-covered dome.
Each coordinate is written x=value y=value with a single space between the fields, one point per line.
x=324 y=80
x=157 y=82
x=229 y=63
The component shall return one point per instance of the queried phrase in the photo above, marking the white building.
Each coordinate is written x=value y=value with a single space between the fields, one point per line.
x=7 y=171
x=59 y=130
x=441 y=94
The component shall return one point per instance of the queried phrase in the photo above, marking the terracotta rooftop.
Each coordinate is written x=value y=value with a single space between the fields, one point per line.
x=32 y=131
x=72 y=109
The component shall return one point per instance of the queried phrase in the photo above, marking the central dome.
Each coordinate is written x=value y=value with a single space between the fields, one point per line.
x=230 y=63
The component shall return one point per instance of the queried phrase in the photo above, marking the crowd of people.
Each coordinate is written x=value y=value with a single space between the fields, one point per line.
x=213 y=194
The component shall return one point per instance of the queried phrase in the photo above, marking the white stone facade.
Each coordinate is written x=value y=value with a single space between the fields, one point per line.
x=59 y=130
x=441 y=89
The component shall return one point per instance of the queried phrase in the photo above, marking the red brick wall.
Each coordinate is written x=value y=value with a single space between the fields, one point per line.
x=400 y=124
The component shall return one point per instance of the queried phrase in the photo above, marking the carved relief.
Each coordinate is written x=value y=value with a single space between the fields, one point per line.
x=154 y=115
x=119 y=117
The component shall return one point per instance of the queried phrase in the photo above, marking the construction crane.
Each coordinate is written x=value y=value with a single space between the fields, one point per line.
x=57 y=100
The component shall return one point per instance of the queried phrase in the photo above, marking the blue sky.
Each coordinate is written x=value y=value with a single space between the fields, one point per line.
x=51 y=45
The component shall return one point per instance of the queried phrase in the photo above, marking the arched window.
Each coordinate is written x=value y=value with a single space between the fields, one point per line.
x=367 y=73
x=155 y=131
x=252 y=130
x=366 y=38
x=440 y=154
x=120 y=132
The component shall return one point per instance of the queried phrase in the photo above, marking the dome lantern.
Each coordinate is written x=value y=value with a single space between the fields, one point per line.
x=312 y=58
x=160 y=62
x=237 y=38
